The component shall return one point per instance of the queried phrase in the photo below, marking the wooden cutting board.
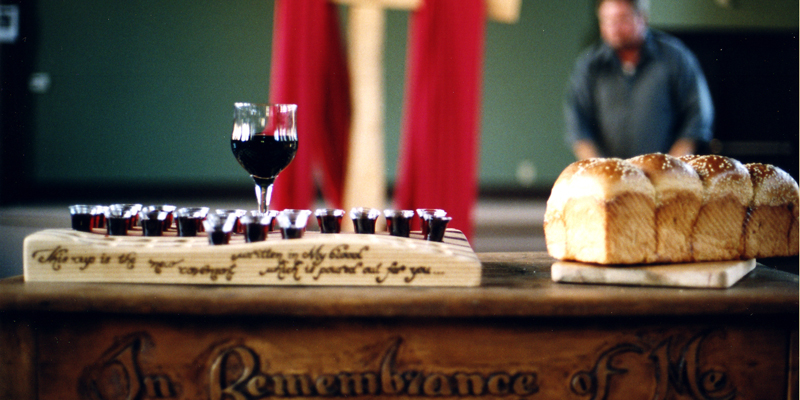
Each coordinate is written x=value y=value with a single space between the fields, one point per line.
x=718 y=274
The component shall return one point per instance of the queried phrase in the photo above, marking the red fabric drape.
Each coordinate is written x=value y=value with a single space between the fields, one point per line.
x=441 y=132
x=309 y=68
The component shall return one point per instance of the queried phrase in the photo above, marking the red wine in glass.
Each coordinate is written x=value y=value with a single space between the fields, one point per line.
x=264 y=141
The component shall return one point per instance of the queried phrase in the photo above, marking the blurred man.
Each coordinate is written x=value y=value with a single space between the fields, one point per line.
x=639 y=91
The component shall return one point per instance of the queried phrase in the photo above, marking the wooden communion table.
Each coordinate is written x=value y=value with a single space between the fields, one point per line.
x=518 y=335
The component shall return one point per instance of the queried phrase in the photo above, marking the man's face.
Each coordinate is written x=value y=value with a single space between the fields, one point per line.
x=620 y=25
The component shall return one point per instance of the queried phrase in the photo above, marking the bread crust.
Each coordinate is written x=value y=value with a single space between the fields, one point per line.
x=608 y=215
x=554 y=224
x=658 y=208
x=727 y=192
x=669 y=175
x=772 y=186
x=771 y=225
x=722 y=177
x=679 y=196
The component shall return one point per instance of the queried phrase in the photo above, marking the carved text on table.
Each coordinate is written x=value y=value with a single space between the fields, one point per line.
x=237 y=371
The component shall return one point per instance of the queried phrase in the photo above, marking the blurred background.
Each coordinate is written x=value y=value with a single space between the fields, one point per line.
x=120 y=102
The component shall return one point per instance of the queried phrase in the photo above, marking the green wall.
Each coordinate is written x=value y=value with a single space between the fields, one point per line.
x=741 y=14
x=142 y=90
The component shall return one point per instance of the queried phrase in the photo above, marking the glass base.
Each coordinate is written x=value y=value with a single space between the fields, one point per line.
x=263 y=193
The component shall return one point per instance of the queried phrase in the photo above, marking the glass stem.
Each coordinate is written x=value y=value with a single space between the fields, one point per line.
x=263 y=193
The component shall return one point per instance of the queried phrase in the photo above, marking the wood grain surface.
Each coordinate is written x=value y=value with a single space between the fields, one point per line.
x=518 y=335
x=251 y=358
x=512 y=284
x=346 y=259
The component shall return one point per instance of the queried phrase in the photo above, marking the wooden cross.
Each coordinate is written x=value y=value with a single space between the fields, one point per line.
x=365 y=182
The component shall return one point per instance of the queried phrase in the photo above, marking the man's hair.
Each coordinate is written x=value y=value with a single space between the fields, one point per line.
x=640 y=6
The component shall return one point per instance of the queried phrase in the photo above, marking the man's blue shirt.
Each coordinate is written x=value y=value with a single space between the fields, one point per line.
x=645 y=111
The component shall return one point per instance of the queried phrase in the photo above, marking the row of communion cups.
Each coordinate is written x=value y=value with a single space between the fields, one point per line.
x=118 y=219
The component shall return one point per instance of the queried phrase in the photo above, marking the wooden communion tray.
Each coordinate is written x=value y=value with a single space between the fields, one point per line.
x=717 y=274
x=64 y=255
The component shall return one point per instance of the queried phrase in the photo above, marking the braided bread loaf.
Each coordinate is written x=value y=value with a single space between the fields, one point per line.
x=656 y=208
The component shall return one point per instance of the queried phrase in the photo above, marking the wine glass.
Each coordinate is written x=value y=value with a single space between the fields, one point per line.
x=264 y=141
